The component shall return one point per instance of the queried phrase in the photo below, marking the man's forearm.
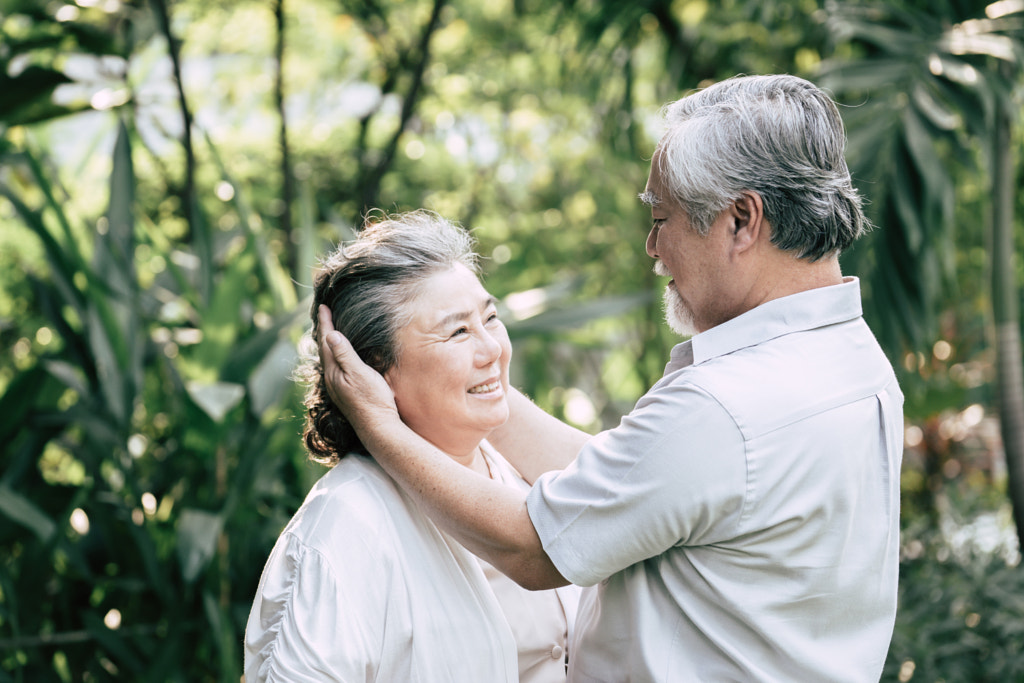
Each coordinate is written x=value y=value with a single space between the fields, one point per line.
x=534 y=441
x=487 y=517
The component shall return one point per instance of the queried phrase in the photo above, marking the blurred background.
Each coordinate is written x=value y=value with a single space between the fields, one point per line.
x=170 y=171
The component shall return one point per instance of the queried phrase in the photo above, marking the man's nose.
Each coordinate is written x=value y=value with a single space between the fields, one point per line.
x=652 y=242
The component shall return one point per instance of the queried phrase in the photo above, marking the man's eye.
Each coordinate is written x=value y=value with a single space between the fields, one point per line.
x=461 y=330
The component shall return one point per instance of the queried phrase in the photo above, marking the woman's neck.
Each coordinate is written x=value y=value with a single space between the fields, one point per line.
x=472 y=457
x=480 y=465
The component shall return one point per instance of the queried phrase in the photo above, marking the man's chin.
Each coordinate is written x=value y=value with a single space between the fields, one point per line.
x=677 y=316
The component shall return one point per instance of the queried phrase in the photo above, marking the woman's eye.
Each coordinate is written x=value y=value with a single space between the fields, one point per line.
x=460 y=331
x=492 y=317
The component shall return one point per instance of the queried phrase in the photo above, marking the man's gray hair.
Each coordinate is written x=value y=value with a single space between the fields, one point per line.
x=368 y=285
x=779 y=136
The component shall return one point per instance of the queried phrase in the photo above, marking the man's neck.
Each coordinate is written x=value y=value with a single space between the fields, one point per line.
x=792 y=275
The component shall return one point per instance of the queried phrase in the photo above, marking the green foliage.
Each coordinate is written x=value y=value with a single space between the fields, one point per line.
x=152 y=283
x=137 y=453
x=960 y=617
x=920 y=83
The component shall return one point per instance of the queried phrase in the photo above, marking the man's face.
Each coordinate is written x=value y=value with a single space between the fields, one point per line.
x=695 y=297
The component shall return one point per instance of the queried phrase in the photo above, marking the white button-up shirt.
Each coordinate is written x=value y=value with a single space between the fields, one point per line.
x=742 y=523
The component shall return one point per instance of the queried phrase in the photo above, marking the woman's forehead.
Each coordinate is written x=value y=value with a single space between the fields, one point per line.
x=450 y=294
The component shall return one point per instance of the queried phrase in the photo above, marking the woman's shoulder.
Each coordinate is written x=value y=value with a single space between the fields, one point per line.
x=353 y=503
x=352 y=478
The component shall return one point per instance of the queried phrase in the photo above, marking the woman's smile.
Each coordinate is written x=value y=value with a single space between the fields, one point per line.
x=492 y=386
x=451 y=380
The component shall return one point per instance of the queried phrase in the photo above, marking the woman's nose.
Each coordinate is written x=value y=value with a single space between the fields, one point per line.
x=488 y=348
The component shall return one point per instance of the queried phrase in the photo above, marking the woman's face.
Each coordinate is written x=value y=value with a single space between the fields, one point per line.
x=451 y=378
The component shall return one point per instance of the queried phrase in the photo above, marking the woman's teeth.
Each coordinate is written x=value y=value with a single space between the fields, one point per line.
x=485 y=388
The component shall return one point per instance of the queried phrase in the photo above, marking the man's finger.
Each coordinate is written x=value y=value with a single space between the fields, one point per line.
x=323 y=314
x=352 y=385
x=337 y=355
x=339 y=346
x=330 y=338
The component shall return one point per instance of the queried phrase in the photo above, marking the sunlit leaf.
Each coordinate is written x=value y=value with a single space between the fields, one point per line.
x=940 y=115
x=68 y=374
x=197 y=541
x=255 y=349
x=269 y=380
x=557 y=319
x=216 y=399
x=106 y=345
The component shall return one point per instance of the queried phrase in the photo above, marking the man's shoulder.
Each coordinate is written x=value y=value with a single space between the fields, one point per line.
x=777 y=380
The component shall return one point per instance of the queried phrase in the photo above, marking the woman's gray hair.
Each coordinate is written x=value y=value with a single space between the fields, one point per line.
x=779 y=136
x=368 y=284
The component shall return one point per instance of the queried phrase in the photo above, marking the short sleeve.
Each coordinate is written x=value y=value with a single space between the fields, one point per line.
x=672 y=473
x=308 y=624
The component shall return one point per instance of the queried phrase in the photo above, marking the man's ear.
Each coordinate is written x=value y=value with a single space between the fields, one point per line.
x=747 y=221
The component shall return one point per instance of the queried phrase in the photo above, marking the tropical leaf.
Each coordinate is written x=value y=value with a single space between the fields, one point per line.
x=216 y=399
x=570 y=317
x=28 y=97
x=197 y=541
x=20 y=509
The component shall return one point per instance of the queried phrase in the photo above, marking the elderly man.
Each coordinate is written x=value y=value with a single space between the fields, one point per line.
x=742 y=522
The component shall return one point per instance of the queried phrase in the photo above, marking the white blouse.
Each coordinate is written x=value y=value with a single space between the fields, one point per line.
x=361 y=586
x=541 y=621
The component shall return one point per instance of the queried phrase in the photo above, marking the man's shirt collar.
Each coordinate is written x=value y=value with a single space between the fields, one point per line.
x=794 y=313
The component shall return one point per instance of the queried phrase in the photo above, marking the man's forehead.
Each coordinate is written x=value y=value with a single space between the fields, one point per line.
x=654 y=192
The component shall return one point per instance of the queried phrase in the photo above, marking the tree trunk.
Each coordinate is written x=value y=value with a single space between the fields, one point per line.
x=199 y=235
x=163 y=17
x=370 y=184
x=1009 y=373
x=287 y=179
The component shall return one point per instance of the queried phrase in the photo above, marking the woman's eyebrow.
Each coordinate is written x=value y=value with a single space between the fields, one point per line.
x=452 y=318
x=459 y=316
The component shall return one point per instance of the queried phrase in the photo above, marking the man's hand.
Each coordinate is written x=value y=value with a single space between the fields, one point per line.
x=487 y=517
x=359 y=391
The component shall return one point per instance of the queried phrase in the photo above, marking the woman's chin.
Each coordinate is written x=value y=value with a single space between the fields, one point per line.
x=499 y=418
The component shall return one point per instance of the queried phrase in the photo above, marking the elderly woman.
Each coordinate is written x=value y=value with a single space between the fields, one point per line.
x=361 y=586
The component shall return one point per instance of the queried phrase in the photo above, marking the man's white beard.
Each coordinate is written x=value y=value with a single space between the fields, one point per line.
x=677 y=315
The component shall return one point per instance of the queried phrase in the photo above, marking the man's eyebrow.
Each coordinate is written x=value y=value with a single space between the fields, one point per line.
x=649 y=198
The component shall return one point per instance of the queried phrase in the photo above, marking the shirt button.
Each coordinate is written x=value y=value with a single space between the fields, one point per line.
x=557 y=652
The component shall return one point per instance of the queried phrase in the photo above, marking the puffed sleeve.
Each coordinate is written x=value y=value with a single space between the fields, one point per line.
x=308 y=624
